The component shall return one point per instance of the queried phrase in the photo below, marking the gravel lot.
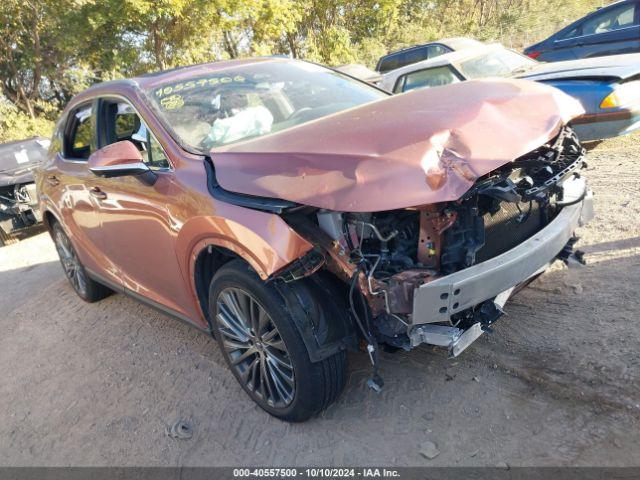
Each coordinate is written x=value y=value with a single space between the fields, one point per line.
x=557 y=383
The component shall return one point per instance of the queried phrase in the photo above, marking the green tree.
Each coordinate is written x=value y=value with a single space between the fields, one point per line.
x=51 y=49
x=34 y=53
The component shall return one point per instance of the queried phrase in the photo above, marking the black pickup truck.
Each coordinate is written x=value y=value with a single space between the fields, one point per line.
x=18 y=199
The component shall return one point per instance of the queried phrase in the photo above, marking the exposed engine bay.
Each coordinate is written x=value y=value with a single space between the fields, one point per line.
x=386 y=256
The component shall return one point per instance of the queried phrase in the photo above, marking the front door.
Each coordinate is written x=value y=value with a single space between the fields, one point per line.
x=138 y=228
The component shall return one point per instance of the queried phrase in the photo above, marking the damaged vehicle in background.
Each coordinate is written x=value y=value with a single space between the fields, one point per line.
x=608 y=88
x=18 y=200
x=240 y=196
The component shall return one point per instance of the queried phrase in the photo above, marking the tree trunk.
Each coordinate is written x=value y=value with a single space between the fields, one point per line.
x=292 y=45
x=37 y=50
x=25 y=101
x=229 y=44
x=157 y=47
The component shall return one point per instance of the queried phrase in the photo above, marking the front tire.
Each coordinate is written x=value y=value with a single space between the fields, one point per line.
x=264 y=349
x=87 y=289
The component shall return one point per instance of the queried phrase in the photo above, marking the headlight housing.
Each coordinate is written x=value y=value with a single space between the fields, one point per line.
x=623 y=95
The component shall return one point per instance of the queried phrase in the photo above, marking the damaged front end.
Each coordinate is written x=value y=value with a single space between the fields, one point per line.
x=441 y=273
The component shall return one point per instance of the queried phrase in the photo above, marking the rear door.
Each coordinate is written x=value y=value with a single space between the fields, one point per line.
x=138 y=227
x=71 y=187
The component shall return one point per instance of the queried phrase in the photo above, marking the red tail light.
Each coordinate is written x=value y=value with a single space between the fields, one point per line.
x=534 y=54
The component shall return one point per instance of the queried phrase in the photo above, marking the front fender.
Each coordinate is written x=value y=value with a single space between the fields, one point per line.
x=262 y=239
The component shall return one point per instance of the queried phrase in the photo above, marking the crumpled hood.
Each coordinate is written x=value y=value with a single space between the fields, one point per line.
x=422 y=147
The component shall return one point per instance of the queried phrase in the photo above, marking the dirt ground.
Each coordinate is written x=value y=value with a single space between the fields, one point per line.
x=557 y=383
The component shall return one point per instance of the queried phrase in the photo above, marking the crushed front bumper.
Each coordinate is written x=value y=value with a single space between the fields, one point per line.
x=436 y=301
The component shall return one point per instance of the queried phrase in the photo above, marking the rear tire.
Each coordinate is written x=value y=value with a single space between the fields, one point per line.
x=87 y=289
x=264 y=349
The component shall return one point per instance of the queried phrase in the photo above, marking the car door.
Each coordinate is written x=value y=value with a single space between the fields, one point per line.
x=563 y=46
x=138 y=228
x=612 y=31
x=70 y=186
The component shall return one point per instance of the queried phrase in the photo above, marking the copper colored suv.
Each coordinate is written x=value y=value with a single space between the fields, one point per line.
x=295 y=213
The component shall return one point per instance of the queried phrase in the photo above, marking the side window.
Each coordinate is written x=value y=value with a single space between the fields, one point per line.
x=415 y=55
x=79 y=141
x=121 y=122
x=390 y=63
x=613 y=19
x=432 y=77
x=574 y=32
x=57 y=139
x=154 y=157
x=127 y=124
x=437 y=50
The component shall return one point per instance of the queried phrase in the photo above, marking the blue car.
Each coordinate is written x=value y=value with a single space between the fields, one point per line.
x=612 y=30
x=607 y=87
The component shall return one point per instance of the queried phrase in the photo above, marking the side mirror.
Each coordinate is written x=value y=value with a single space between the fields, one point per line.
x=120 y=159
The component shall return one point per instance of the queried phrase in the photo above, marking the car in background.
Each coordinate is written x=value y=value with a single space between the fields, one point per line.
x=612 y=30
x=18 y=200
x=296 y=213
x=417 y=53
x=607 y=87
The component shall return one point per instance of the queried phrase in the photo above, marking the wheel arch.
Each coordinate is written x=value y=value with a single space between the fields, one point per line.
x=325 y=327
x=263 y=240
x=207 y=261
x=48 y=219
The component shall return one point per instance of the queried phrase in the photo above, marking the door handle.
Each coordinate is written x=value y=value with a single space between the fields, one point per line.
x=52 y=180
x=99 y=194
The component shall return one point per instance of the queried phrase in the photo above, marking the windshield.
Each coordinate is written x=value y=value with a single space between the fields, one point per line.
x=499 y=63
x=253 y=100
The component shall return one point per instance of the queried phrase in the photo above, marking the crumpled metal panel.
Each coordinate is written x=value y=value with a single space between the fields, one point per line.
x=418 y=148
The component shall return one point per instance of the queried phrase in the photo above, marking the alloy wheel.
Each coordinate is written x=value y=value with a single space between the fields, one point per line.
x=70 y=263
x=254 y=347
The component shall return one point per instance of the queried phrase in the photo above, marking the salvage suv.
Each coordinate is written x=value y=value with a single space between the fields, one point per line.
x=295 y=213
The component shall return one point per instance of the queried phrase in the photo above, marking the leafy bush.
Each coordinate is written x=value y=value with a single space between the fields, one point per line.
x=16 y=125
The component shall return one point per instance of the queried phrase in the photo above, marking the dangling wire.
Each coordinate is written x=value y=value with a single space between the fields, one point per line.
x=375 y=382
